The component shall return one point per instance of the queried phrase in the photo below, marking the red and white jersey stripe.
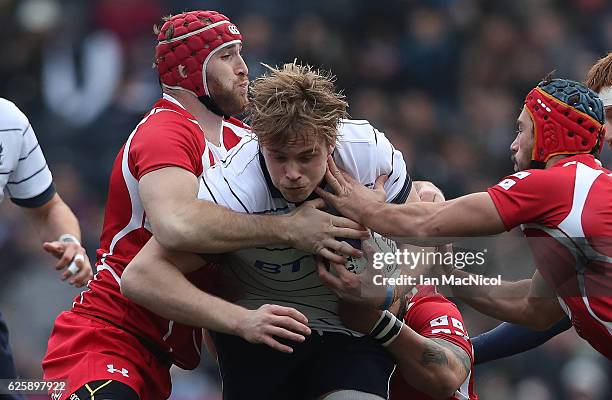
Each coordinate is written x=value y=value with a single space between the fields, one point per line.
x=168 y=136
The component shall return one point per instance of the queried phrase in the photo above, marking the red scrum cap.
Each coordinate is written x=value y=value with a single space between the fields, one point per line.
x=568 y=118
x=186 y=42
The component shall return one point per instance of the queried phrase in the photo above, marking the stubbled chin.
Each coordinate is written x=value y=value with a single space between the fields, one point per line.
x=293 y=197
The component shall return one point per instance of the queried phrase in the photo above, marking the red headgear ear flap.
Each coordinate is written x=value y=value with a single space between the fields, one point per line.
x=567 y=119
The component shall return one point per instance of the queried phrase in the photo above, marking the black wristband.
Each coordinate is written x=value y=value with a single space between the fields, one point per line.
x=387 y=329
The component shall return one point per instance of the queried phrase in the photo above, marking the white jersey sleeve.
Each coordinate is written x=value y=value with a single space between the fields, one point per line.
x=24 y=174
x=366 y=153
x=238 y=182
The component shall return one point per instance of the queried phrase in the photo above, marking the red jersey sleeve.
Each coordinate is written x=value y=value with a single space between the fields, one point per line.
x=166 y=142
x=434 y=316
x=531 y=196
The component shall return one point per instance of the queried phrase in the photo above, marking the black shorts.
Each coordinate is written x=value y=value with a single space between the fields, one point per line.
x=105 y=390
x=323 y=363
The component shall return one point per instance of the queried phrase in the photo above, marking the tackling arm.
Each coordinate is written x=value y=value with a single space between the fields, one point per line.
x=434 y=366
x=180 y=300
x=182 y=222
x=470 y=215
x=530 y=302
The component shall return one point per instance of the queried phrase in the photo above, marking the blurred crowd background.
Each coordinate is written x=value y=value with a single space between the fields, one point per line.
x=445 y=80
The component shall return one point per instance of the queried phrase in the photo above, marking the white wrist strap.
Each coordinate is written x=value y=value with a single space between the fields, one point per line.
x=67 y=237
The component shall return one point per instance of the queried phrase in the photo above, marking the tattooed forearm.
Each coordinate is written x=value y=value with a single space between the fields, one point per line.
x=463 y=360
x=433 y=354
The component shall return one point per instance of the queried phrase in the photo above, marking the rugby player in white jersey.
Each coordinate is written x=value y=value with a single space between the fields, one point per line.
x=298 y=117
x=26 y=179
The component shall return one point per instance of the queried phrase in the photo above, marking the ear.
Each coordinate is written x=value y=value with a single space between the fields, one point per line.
x=330 y=148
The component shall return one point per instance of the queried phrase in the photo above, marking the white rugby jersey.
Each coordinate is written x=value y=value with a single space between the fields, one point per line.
x=24 y=174
x=282 y=275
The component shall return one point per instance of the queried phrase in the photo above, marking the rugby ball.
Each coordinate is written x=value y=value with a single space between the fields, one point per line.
x=381 y=245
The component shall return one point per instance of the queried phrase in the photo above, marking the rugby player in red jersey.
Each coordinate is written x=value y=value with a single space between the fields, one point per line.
x=559 y=194
x=110 y=347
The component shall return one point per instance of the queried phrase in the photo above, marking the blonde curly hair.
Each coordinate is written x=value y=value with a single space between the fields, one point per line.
x=295 y=102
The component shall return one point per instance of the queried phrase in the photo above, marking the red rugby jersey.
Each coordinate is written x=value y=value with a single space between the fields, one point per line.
x=566 y=216
x=168 y=136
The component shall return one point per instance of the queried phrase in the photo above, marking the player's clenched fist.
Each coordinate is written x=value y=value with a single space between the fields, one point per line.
x=270 y=322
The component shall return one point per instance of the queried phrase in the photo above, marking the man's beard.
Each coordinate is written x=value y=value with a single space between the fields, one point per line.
x=230 y=102
x=515 y=165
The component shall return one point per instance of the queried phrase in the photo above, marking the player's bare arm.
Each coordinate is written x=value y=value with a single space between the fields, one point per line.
x=182 y=222
x=155 y=267
x=431 y=365
x=439 y=353
x=529 y=302
x=53 y=220
x=470 y=215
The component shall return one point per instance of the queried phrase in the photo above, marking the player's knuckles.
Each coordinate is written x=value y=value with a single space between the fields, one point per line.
x=267 y=308
x=67 y=256
x=265 y=319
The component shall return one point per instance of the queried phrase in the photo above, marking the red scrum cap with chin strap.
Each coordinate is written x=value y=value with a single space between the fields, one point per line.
x=186 y=43
x=567 y=117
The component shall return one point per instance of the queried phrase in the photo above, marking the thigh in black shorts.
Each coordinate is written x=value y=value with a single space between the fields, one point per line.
x=323 y=363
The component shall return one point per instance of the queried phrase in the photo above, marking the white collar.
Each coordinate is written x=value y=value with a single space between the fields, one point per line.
x=171 y=99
